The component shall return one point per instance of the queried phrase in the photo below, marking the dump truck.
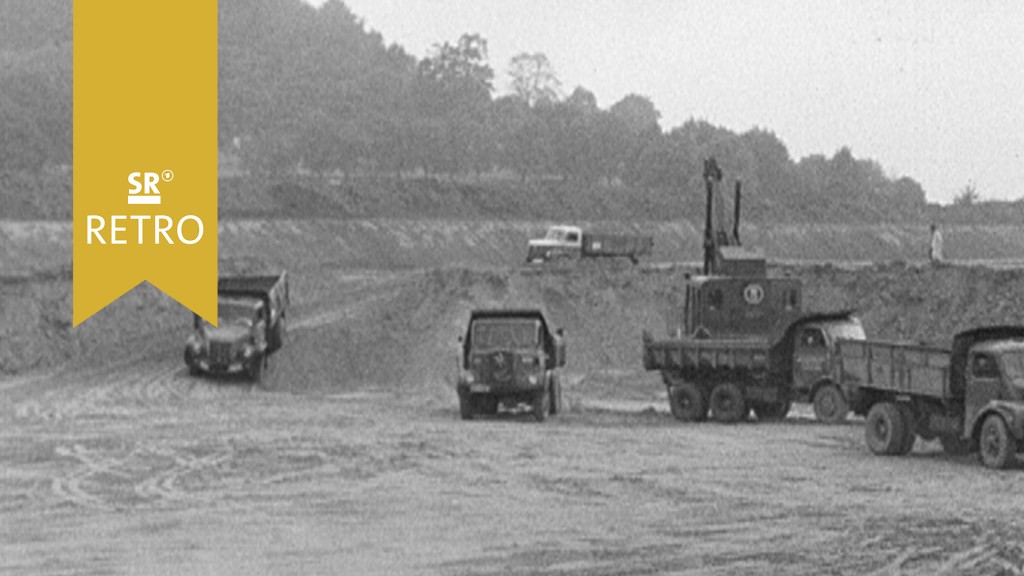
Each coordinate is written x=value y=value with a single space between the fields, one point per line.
x=250 y=327
x=971 y=396
x=730 y=376
x=734 y=342
x=573 y=243
x=508 y=358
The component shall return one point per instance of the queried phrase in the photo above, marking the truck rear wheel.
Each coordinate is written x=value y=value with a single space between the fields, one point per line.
x=830 y=405
x=995 y=446
x=686 y=401
x=909 y=434
x=885 y=429
x=772 y=411
x=542 y=404
x=728 y=404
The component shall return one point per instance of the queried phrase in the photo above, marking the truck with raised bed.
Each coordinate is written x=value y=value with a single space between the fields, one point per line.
x=251 y=313
x=574 y=243
x=510 y=357
x=730 y=376
x=971 y=396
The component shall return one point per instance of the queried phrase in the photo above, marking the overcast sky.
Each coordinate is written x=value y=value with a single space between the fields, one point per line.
x=931 y=89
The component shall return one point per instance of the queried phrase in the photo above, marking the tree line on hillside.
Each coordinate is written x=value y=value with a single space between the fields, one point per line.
x=310 y=90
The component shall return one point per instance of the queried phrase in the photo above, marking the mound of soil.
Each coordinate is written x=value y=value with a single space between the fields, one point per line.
x=399 y=329
x=384 y=299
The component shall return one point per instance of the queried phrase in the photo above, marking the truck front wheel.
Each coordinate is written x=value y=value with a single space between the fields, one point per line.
x=728 y=404
x=465 y=406
x=556 y=395
x=190 y=361
x=885 y=429
x=687 y=403
x=277 y=334
x=542 y=404
x=995 y=445
x=256 y=368
x=830 y=405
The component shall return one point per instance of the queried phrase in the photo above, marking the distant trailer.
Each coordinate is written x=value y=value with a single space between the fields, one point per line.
x=572 y=243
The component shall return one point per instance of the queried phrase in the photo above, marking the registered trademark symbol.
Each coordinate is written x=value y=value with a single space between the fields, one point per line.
x=167 y=175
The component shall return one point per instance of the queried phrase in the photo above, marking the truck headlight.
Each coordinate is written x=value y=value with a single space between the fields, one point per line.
x=248 y=350
x=532 y=379
x=468 y=377
x=195 y=343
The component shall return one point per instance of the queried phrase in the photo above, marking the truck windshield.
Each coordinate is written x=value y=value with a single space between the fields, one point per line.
x=847 y=331
x=1013 y=362
x=237 y=312
x=514 y=334
x=556 y=234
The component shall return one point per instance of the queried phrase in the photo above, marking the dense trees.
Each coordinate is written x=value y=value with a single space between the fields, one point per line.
x=310 y=90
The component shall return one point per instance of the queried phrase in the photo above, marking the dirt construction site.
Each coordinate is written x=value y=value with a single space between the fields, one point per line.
x=350 y=456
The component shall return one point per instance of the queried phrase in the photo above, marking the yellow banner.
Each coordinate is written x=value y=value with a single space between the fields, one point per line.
x=145 y=151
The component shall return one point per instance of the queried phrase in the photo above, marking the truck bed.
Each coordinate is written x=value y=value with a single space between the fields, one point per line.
x=272 y=289
x=616 y=245
x=250 y=285
x=894 y=367
x=691 y=355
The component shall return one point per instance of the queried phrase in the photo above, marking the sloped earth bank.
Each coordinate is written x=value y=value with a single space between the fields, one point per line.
x=35 y=278
x=351 y=459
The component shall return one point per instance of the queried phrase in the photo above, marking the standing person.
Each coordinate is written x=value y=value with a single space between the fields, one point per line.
x=935 y=249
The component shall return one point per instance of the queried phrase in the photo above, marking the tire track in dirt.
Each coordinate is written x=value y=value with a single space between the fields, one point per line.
x=155 y=470
x=72 y=487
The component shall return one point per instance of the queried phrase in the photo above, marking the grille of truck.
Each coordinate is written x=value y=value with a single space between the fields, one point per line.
x=501 y=366
x=220 y=353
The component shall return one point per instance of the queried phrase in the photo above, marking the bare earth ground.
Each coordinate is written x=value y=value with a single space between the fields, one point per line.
x=351 y=458
x=142 y=469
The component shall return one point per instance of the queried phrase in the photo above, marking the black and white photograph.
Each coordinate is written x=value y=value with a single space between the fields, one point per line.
x=516 y=287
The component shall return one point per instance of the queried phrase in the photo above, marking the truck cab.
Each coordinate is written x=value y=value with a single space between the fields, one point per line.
x=232 y=345
x=994 y=400
x=814 y=349
x=807 y=357
x=510 y=357
x=559 y=242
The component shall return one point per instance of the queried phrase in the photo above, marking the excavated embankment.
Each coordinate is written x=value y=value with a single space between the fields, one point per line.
x=400 y=327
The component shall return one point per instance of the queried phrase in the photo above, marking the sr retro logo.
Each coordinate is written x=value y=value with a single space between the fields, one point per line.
x=147 y=228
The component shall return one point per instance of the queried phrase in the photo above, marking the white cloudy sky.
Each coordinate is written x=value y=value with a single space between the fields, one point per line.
x=931 y=89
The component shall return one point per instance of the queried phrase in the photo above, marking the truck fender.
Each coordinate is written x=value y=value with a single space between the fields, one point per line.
x=1011 y=412
x=818 y=385
x=850 y=393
